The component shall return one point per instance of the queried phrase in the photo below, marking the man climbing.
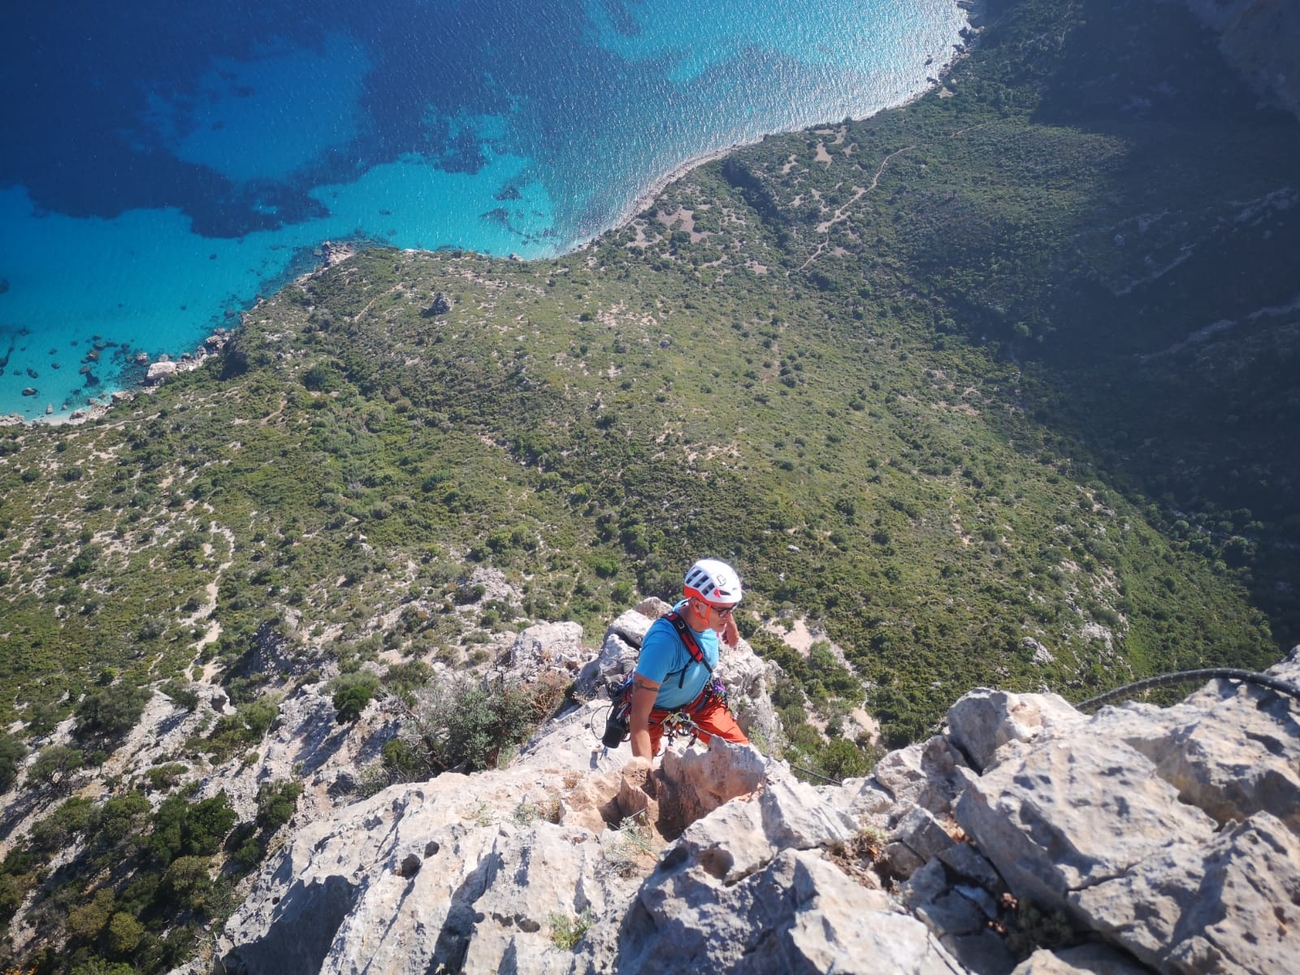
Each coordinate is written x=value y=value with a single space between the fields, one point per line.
x=674 y=673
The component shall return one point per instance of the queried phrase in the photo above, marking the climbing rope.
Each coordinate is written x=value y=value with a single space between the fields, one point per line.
x=816 y=775
x=1184 y=676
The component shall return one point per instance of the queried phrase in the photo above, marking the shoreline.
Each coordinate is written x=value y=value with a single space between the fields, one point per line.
x=976 y=19
x=158 y=371
x=335 y=252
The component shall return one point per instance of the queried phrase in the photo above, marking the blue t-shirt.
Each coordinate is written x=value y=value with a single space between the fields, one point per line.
x=666 y=661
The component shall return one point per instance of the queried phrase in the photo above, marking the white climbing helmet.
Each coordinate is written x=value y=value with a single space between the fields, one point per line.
x=713 y=581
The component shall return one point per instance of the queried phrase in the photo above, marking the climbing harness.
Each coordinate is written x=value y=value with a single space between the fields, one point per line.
x=679 y=724
x=618 y=716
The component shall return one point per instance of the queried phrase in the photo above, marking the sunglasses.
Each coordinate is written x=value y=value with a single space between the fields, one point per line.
x=721 y=610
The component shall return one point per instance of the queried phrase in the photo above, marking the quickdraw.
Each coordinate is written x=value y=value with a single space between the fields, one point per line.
x=679 y=724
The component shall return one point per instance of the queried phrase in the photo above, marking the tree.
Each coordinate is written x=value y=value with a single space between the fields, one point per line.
x=352 y=693
x=124 y=933
x=12 y=752
x=108 y=713
x=276 y=802
x=181 y=829
x=53 y=766
x=187 y=882
x=841 y=759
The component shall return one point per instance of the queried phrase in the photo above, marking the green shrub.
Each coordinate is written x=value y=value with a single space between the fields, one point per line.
x=466 y=726
x=352 y=693
x=187 y=882
x=276 y=802
x=107 y=714
x=12 y=753
x=53 y=766
x=193 y=830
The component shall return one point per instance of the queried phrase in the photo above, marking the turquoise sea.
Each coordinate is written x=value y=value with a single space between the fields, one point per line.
x=162 y=167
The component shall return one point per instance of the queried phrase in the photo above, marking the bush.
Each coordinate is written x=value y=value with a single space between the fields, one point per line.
x=245 y=727
x=182 y=695
x=841 y=759
x=466 y=726
x=12 y=753
x=187 y=883
x=124 y=933
x=181 y=829
x=351 y=695
x=53 y=766
x=276 y=802
x=108 y=713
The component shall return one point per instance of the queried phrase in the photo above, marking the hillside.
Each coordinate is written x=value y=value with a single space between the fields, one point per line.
x=996 y=389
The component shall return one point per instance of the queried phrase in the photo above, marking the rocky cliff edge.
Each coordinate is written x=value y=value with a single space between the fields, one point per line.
x=1025 y=837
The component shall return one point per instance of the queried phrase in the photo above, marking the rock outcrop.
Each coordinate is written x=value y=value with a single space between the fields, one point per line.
x=1260 y=38
x=1026 y=838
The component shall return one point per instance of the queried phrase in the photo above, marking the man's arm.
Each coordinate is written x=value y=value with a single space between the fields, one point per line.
x=644 y=692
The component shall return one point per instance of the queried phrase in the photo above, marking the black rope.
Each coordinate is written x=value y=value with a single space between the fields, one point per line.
x=1212 y=673
x=808 y=771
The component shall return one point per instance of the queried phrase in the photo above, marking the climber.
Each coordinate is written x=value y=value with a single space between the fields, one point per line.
x=674 y=673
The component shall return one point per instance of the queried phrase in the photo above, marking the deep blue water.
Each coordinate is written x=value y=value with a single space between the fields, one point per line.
x=162 y=164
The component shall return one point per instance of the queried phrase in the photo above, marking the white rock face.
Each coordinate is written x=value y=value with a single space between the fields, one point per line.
x=984 y=720
x=1228 y=906
x=1166 y=838
x=1073 y=813
x=548 y=646
x=459 y=872
x=159 y=371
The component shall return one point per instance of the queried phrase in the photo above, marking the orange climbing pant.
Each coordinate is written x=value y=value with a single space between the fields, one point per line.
x=711 y=716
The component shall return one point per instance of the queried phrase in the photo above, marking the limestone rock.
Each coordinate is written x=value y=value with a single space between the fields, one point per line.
x=1231 y=907
x=1259 y=38
x=460 y=872
x=1168 y=833
x=632 y=626
x=1073 y=814
x=547 y=646
x=1228 y=749
x=617 y=658
x=159 y=371
x=796 y=915
x=1084 y=960
x=930 y=774
x=918 y=837
x=984 y=720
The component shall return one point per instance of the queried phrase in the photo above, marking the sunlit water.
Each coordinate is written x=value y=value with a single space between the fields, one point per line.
x=160 y=166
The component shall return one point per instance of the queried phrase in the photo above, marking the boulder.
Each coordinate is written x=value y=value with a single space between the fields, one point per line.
x=984 y=720
x=930 y=774
x=547 y=647
x=1097 y=959
x=798 y=914
x=1229 y=906
x=158 y=372
x=1074 y=813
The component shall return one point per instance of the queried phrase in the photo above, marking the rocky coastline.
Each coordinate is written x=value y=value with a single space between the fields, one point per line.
x=142 y=375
